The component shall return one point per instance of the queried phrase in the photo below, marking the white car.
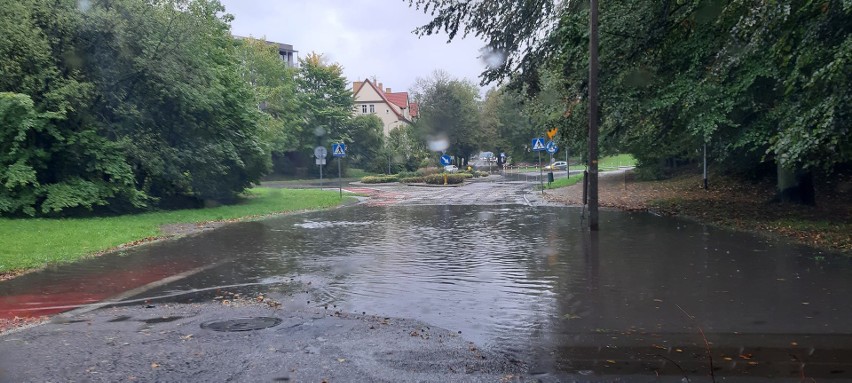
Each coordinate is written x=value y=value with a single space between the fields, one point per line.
x=451 y=168
x=558 y=165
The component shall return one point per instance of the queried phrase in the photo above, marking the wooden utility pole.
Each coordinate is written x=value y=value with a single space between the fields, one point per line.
x=593 y=115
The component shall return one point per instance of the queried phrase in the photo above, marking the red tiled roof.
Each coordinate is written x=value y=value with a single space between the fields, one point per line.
x=414 y=109
x=384 y=98
x=399 y=99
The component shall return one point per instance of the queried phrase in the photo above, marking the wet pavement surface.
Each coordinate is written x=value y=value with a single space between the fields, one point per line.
x=489 y=262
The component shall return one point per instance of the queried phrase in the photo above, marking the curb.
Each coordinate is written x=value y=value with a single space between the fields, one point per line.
x=425 y=185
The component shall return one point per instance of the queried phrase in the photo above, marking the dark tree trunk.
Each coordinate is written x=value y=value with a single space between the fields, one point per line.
x=795 y=186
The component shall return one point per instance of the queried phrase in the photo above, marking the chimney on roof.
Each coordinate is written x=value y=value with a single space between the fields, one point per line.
x=388 y=90
x=380 y=86
x=356 y=85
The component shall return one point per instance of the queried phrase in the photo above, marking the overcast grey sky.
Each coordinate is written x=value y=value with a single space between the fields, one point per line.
x=367 y=37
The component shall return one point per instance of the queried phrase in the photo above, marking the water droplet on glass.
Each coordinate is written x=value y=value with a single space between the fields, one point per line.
x=493 y=58
x=84 y=5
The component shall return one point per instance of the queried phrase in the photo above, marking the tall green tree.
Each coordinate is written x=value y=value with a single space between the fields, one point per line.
x=326 y=102
x=405 y=149
x=169 y=86
x=274 y=86
x=506 y=118
x=366 y=140
x=763 y=83
x=450 y=107
x=52 y=155
x=123 y=104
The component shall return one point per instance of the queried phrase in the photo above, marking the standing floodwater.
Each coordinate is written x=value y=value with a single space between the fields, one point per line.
x=528 y=281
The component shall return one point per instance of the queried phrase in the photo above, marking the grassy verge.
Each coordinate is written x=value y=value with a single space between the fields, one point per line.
x=614 y=162
x=32 y=243
x=563 y=182
x=359 y=173
x=604 y=163
x=730 y=203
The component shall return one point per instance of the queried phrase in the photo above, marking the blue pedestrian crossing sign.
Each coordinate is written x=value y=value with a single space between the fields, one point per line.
x=551 y=147
x=446 y=160
x=538 y=144
x=338 y=150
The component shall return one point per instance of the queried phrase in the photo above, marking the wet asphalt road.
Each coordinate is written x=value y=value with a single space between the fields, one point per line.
x=371 y=293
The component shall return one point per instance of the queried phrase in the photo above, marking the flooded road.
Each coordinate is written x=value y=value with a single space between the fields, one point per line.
x=529 y=282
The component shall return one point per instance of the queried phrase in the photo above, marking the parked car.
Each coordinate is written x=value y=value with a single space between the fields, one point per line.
x=451 y=168
x=558 y=165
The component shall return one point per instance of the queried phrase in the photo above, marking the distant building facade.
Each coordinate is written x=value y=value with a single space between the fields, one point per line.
x=395 y=109
x=285 y=51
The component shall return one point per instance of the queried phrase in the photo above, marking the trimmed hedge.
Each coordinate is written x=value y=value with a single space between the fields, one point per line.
x=474 y=173
x=380 y=179
x=412 y=180
x=452 y=179
x=428 y=171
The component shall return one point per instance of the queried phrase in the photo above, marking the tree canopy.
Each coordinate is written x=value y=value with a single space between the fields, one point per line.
x=122 y=104
x=760 y=82
x=449 y=107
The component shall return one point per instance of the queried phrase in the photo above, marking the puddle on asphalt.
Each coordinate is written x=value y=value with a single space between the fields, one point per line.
x=326 y=224
x=526 y=281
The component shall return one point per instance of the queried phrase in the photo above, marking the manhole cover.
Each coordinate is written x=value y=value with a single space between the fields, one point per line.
x=242 y=324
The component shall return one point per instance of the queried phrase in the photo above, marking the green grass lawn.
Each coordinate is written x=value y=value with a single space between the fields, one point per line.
x=358 y=173
x=563 y=182
x=34 y=242
x=613 y=162
x=605 y=163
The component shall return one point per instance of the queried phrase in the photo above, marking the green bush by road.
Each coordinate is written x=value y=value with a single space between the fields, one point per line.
x=381 y=179
x=452 y=179
x=32 y=243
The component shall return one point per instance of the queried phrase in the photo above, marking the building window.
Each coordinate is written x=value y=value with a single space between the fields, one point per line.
x=363 y=108
x=372 y=109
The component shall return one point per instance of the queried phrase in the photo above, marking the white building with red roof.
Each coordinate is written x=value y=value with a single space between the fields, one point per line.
x=395 y=109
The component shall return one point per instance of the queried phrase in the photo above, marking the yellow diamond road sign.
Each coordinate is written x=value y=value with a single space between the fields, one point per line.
x=551 y=133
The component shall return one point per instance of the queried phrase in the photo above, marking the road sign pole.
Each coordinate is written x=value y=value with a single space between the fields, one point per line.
x=540 y=173
x=320 y=176
x=567 y=165
x=339 y=182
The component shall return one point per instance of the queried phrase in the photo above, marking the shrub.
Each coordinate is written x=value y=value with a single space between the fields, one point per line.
x=438 y=179
x=428 y=171
x=412 y=180
x=379 y=179
x=474 y=173
x=406 y=174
